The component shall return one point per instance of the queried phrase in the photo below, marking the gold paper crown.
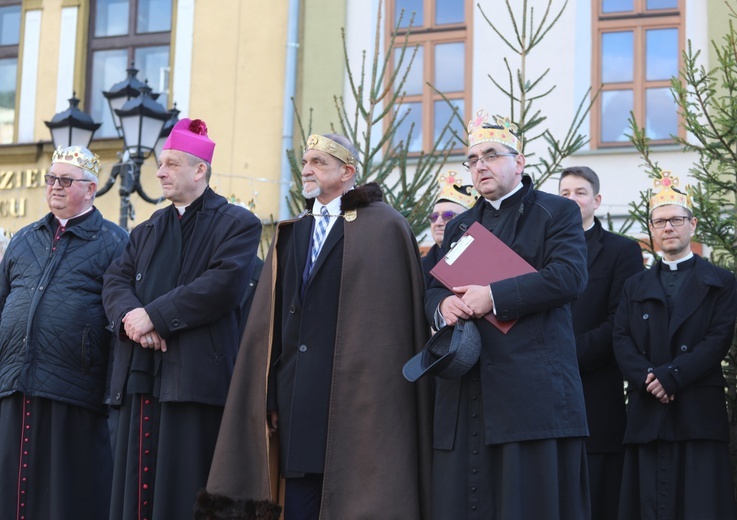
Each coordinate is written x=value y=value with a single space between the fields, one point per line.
x=505 y=134
x=327 y=145
x=452 y=191
x=667 y=194
x=77 y=156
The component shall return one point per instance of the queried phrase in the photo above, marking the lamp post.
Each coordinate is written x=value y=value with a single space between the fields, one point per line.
x=72 y=126
x=166 y=130
x=122 y=92
x=141 y=122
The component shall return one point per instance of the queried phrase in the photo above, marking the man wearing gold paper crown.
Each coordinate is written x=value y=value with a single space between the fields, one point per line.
x=672 y=330
x=509 y=435
x=346 y=314
x=55 y=452
x=452 y=200
x=173 y=299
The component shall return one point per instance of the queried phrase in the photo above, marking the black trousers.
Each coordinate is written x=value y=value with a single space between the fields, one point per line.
x=302 y=497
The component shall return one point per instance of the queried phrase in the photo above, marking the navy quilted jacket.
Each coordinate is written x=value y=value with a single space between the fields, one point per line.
x=53 y=341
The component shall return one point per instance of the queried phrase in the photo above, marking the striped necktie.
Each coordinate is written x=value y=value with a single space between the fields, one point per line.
x=318 y=239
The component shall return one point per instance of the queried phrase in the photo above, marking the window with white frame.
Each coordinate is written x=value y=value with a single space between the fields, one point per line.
x=125 y=32
x=10 y=13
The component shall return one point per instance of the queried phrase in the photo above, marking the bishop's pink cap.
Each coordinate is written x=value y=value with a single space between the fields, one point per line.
x=191 y=136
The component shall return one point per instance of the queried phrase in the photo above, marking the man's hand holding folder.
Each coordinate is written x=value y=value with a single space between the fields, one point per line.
x=478 y=259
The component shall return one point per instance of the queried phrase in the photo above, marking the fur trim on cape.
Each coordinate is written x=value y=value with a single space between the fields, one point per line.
x=358 y=197
x=218 y=507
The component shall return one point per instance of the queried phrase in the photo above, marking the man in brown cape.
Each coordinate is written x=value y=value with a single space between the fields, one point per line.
x=338 y=311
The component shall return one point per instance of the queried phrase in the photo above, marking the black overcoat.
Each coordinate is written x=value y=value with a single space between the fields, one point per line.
x=199 y=318
x=530 y=382
x=685 y=353
x=611 y=260
x=304 y=340
x=429 y=261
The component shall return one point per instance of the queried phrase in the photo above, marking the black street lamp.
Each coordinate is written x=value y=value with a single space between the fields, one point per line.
x=72 y=127
x=122 y=92
x=166 y=130
x=141 y=122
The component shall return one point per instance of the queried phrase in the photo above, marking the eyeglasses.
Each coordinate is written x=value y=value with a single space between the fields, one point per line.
x=660 y=223
x=64 y=182
x=487 y=158
x=445 y=215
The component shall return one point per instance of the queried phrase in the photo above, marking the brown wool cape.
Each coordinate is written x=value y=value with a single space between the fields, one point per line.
x=380 y=430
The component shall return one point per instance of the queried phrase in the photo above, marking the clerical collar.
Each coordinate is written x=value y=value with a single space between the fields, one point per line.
x=496 y=204
x=64 y=221
x=673 y=264
x=197 y=202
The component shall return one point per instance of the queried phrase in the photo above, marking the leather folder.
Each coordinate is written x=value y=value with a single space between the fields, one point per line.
x=480 y=258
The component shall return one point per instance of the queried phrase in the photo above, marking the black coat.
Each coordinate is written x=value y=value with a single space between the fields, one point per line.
x=530 y=382
x=247 y=299
x=199 y=318
x=685 y=352
x=305 y=324
x=611 y=260
x=53 y=341
x=429 y=261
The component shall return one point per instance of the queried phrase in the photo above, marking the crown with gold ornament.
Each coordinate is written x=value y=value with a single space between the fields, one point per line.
x=668 y=194
x=77 y=156
x=503 y=131
x=327 y=145
x=451 y=190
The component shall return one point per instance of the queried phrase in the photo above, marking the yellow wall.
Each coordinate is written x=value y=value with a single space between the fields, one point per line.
x=237 y=84
x=237 y=87
x=322 y=65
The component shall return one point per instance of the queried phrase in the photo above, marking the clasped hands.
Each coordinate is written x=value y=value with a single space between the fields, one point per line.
x=140 y=329
x=656 y=388
x=469 y=301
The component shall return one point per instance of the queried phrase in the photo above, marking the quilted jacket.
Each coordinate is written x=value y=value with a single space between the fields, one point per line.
x=53 y=341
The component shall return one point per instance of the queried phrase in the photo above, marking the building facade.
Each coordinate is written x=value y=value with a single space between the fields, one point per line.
x=244 y=67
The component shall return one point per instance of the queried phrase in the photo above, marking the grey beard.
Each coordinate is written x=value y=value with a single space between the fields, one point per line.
x=311 y=194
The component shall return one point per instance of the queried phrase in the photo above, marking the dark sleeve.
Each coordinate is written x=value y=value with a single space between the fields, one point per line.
x=219 y=289
x=563 y=274
x=118 y=289
x=247 y=301
x=5 y=276
x=630 y=357
x=706 y=355
x=435 y=291
x=594 y=347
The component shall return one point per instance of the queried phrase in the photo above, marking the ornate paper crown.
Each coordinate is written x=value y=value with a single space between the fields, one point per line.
x=478 y=131
x=77 y=156
x=327 y=145
x=667 y=194
x=452 y=191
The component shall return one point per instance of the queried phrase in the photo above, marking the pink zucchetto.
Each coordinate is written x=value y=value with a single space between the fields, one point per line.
x=190 y=135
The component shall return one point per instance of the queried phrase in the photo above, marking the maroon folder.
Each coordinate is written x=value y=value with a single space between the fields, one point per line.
x=480 y=258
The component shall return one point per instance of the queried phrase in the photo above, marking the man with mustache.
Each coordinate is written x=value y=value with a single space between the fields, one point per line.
x=337 y=312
